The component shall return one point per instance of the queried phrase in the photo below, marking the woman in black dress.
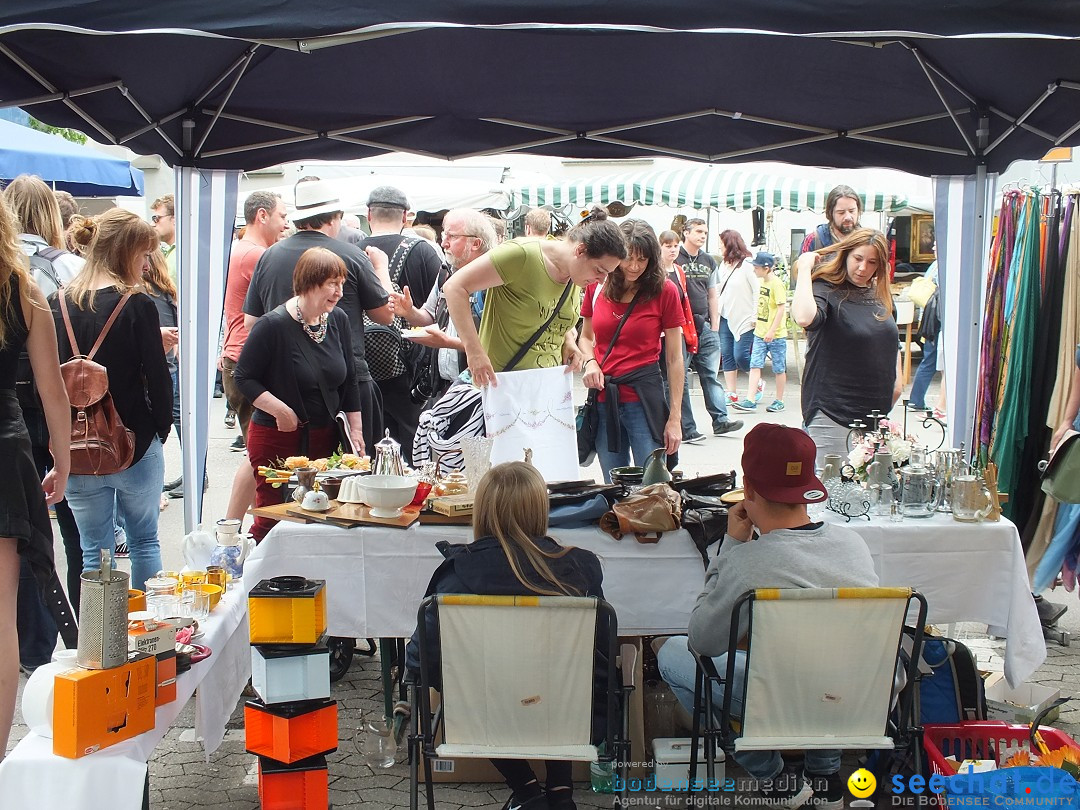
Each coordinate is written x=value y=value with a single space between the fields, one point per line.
x=25 y=322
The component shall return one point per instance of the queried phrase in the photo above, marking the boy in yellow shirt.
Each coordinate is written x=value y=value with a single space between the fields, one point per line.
x=770 y=334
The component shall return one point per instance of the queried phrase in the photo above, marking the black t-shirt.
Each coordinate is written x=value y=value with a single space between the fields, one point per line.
x=272 y=284
x=850 y=356
x=422 y=264
x=273 y=360
x=698 y=271
x=132 y=353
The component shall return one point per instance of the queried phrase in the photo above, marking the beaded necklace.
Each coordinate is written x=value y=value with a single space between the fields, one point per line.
x=317 y=332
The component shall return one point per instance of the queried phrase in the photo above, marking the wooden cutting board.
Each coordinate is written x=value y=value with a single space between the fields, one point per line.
x=355 y=514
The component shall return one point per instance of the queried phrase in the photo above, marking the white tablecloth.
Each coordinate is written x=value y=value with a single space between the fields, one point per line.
x=376 y=576
x=31 y=776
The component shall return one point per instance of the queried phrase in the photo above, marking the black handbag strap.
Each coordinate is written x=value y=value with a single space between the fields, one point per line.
x=622 y=322
x=528 y=344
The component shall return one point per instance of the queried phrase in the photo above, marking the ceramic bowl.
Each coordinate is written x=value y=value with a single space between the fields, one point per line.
x=213 y=590
x=387 y=494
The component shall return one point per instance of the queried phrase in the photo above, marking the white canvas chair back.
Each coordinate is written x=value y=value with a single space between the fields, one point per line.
x=821 y=667
x=517 y=676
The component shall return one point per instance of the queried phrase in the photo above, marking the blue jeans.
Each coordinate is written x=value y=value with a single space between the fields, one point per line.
x=636 y=437
x=37 y=629
x=735 y=356
x=176 y=402
x=679 y=669
x=137 y=493
x=924 y=374
x=707 y=364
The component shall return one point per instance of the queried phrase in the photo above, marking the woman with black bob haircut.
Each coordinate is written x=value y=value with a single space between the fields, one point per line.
x=513 y=556
x=644 y=305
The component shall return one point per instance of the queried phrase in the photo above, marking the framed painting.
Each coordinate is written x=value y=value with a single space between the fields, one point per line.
x=922 y=239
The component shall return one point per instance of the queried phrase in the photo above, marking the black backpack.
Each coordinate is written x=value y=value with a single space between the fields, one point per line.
x=950 y=688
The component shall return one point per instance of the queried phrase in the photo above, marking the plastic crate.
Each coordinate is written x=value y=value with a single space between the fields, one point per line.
x=983 y=739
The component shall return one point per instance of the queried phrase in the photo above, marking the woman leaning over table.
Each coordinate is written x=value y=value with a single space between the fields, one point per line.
x=852 y=356
x=117 y=249
x=634 y=413
x=288 y=351
x=25 y=532
x=525 y=280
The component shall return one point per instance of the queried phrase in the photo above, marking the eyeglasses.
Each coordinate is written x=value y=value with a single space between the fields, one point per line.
x=450 y=236
x=156 y=218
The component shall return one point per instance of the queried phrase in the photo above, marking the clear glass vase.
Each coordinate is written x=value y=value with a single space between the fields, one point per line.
x=375 y=743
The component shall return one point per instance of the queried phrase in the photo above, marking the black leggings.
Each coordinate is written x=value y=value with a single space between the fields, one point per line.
x=518 y=774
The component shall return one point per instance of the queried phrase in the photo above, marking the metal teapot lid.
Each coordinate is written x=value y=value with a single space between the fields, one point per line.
x=387 y=445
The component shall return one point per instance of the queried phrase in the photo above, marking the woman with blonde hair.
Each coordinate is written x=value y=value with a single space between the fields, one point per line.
x=25 y=532
x=512 y=555
x=41 y=227
x=118 y=249
x=852 y=356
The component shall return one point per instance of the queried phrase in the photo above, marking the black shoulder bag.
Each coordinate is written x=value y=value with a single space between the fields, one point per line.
x=528 y=344
x=588 y=415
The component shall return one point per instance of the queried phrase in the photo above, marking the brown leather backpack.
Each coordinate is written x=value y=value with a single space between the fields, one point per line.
x=100 y=444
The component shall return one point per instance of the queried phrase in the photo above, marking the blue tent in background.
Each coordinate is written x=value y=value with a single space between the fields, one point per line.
x=66 y=166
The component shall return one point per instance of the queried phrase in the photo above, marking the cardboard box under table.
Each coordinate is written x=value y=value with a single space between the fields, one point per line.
x=96 y=708
x=1020 y=704
x=287 y=610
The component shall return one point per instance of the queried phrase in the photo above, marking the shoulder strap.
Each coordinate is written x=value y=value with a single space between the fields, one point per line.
x=401 y=253
x=104 y=331
x=625 y=318
x=536 y=335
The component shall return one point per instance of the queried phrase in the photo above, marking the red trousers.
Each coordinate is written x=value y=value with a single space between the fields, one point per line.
x=268 y=445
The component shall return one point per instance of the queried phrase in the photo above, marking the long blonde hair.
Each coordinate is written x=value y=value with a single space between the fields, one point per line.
x=834 y=270
x=11 y=264
x=511 y=505
x=114 y=240
x=35 y=208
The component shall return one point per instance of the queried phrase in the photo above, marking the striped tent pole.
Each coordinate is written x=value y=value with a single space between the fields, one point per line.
x=205 y=212
x=962 y=224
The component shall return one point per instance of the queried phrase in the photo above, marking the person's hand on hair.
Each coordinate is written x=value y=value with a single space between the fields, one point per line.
x=739 y=525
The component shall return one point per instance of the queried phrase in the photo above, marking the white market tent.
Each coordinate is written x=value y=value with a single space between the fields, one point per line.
x=736 y=188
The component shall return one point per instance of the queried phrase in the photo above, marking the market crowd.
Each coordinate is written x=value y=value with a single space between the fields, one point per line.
x=333 y=337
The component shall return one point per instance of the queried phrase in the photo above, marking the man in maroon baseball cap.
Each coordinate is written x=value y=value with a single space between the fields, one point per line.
x=771 y=542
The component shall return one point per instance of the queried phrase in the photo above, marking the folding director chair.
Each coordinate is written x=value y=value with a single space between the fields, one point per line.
x=822 y=668
x=517 y=680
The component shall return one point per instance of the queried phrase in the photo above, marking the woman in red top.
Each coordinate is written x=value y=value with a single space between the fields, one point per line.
x=635 y=415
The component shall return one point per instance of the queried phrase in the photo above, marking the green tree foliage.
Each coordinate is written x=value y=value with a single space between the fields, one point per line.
x=64 y=132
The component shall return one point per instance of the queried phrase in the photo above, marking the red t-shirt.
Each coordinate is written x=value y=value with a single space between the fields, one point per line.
x=245 y=255
x=639 y=341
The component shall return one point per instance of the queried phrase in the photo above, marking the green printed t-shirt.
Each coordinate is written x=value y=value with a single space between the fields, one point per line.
x=771 y=295
x=518 y=307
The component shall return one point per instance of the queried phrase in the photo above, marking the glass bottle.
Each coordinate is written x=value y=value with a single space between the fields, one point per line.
x=375 y=743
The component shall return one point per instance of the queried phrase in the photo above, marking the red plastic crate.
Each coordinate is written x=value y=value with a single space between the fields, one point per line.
x=984 y=739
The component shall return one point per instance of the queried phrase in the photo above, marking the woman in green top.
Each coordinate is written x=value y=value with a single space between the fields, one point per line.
x=525 y=280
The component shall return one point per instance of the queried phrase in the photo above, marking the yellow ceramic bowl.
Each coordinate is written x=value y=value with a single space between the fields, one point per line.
x=213 y=590
x=136 y=600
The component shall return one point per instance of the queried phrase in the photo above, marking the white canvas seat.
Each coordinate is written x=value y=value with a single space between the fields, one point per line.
x=821 y=666
x=517 y=676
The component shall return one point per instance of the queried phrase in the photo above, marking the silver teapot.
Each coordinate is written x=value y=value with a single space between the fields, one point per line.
x=387 y=457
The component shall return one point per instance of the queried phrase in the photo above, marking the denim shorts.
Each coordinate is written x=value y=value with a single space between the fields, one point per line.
x=777 y=349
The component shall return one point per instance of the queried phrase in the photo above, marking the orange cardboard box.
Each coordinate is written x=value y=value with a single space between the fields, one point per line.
x=166 y=677
x=304 y=785
x=96 y=708
x=289 y=732
x=161 y=638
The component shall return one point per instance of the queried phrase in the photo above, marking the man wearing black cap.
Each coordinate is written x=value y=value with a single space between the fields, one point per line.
x=415 y=264
x=771 y=543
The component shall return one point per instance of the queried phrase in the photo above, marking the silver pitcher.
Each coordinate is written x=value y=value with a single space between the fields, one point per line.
x=947 y=465
x=387 y=458
x=103 y=608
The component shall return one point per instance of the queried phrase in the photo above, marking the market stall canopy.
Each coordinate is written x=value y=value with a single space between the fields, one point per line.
x=921 y=86
x=423 y=193
x=738 y=189
x=65 y=166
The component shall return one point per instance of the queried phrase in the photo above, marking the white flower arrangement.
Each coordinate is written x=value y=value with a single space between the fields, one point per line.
x=898 y=445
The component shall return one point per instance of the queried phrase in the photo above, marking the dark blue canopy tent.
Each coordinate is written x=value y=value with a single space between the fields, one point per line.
x=960 y=89
x=66 y=166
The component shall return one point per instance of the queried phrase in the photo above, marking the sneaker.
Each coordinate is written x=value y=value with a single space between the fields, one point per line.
x=787 y=791
x=727 y=426
x=760 y=391
x=732 y=398
x=238 y=445
x=230 y=418
x=911 y=406
x=745 y=405
x=122 y=552
x=776 y=406
x=828 y=791
x=941 y=416
x=173 y=484
x=696 y=438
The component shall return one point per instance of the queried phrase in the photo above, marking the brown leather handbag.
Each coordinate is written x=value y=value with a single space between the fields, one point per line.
x=100 y=444
x=647 y=514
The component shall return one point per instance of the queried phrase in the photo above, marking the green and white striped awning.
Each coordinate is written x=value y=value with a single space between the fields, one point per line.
x=712 y=187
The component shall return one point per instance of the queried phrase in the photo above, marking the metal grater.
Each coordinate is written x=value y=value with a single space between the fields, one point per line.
x=103 y=617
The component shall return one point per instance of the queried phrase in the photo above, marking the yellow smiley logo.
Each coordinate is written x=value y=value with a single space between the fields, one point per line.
x=861 y=783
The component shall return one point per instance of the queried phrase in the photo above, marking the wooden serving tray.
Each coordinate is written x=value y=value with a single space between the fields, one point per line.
x=355 y=514
x=293 y=513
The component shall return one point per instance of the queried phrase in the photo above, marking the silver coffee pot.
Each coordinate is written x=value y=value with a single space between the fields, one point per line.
x=388 y=457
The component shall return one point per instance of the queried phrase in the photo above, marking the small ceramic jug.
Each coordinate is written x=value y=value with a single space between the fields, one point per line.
x=656 y=471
